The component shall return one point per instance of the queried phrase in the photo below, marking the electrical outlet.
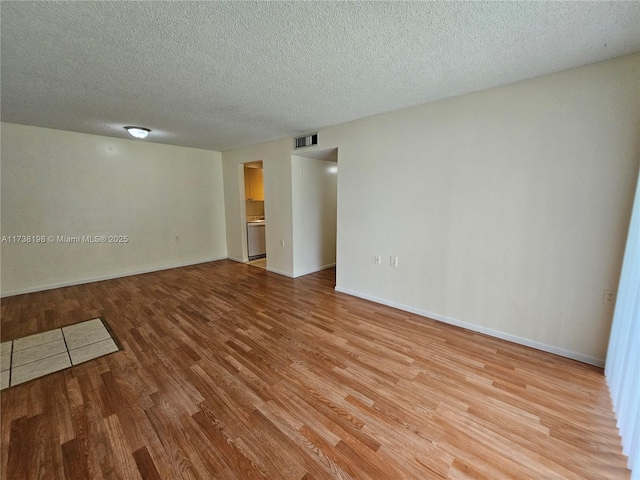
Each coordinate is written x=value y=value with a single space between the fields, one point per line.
x=378 y=259
x=282 y=243
x=394 y=261
x=609 y=297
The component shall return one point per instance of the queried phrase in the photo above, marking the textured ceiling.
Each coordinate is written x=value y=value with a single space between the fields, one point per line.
x=218 y=75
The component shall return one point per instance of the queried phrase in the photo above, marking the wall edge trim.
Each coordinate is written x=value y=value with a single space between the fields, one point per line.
x=580 y=357
x=51 y=286
x=280 y=272
x=314 y=270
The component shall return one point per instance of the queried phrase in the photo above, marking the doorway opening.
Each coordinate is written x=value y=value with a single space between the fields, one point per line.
x=255 y=214
x=314 y=192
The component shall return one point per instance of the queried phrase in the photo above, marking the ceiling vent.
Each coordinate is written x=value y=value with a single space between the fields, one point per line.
x=305 y=141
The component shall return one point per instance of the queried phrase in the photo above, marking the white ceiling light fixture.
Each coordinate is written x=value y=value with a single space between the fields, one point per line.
x=138 y=132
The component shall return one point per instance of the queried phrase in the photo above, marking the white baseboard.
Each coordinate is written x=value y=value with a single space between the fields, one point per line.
x=51 y=286
x=268 y=269
x=279 y=272
x=314 y=270
x=599 y=362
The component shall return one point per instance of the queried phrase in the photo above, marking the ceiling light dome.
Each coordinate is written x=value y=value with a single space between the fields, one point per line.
x=138 y=132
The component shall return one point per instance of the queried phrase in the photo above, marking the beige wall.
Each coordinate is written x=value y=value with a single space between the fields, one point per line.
x=314 y=197
x=508 y=208
x=276 y=162
x=168 y=200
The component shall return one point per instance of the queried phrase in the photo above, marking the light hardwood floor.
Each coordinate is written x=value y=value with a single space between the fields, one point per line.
x=230 y=371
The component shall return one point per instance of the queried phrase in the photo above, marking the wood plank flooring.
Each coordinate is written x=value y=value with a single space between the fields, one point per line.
x=233 y=372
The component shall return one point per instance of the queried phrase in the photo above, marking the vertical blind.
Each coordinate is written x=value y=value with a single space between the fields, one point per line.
x=622 y=367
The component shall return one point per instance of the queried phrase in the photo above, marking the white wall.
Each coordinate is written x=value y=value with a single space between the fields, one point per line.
x=507 y=208
x=168 y=200
x=314 y=197
x=276 y=162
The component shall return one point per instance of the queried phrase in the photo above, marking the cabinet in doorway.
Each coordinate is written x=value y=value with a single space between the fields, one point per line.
x=256 y=242
x=253 y=184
